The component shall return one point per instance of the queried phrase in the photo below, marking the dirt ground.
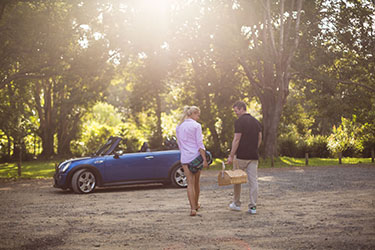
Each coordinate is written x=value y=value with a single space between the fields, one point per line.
x=298 y=208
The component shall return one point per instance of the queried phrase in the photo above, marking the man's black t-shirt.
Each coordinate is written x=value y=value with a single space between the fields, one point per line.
x=249 y=127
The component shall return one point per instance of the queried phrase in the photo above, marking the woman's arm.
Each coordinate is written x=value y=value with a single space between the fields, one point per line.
x=202 y=149
x=203 y=154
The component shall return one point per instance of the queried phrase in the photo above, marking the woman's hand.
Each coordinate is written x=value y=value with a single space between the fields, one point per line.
x=205 y=164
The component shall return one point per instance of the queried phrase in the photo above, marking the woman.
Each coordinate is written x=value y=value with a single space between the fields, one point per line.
x=190 y=143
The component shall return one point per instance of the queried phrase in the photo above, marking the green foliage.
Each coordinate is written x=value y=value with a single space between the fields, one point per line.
x=350 y=138
x=292 y=145
x=345 y=137
x=99 y=125
x=92 y=138
x=104 y=113
x=317 y=146
x=132 y=137
x=367 y=138
x=58 y=59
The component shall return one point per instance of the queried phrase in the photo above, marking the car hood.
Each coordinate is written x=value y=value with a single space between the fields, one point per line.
x=74 y=159
x=78 y=159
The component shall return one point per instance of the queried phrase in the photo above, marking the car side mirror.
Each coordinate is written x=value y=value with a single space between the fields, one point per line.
x=116 y=156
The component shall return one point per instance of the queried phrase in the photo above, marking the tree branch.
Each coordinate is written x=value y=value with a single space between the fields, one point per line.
x=20 y=75
x=282 y=28
x=287 y=31
x=347 y=82
x=297 y=37
x=257 y=87
x=269 y=27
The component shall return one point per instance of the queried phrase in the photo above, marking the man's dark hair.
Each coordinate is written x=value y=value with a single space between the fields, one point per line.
x=239 y=105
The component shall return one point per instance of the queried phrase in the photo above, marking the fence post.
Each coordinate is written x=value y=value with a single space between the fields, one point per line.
x=340 y=156
x=19 y=172
x=19 y=163
x=306 y=159
x=372 y=155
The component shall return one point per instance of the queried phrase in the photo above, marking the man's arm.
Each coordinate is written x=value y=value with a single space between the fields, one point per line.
x=235 y=143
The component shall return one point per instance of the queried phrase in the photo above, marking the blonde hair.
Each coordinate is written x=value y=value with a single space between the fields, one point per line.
x=188 y=111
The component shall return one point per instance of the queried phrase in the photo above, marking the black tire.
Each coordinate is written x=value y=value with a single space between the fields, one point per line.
x=178 y=178
x=83 y=181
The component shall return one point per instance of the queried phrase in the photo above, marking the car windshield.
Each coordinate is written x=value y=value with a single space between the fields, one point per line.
x=104 y=149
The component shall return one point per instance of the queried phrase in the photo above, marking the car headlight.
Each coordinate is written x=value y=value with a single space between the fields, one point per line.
x=65 y=167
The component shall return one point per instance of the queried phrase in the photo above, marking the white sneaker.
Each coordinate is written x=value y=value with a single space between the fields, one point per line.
x=252 y=210
x=234 y=207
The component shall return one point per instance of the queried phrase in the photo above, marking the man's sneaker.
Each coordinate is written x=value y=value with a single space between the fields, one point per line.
x=234 y=207
x=252 y=210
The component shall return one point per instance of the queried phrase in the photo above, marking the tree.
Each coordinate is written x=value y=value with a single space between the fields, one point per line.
x=14 y=117
x=334 y=62
x=71 y=61
x=272 y=33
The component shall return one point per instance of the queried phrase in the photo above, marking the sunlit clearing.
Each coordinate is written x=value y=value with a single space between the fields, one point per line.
x=266 y=178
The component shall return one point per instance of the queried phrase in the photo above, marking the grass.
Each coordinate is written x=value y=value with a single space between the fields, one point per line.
x=284 y=161
x=30 y=169
x=45 y=169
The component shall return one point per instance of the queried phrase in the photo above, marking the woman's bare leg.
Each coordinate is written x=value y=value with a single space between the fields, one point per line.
x=197 y=188
x=190 y=188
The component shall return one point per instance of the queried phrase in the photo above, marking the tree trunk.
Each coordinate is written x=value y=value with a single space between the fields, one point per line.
x=216 y=149
x=66 y=131
x=46 y=116
x=271 y=109
x=9 y=146
x=47 y=142
x=210 y=123
x=63 y=142
x=158 y=136
x=20 y=160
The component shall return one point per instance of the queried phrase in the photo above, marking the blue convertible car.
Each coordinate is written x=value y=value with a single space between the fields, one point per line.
x=109 y=167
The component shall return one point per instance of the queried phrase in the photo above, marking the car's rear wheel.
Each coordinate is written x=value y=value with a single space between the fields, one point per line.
x=83 y=181
x=178 y=177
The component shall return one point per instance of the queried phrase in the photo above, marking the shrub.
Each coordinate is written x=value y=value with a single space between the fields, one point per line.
x=317 y=146
x=367 y=138
x=93 y=137
x=132 y=138
x=294 y=146
x=345 y=138
x=291 y=146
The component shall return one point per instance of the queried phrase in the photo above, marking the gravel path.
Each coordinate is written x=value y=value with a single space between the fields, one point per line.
x=298 y=208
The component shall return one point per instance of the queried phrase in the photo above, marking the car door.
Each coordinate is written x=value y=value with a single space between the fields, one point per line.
x=133 y=167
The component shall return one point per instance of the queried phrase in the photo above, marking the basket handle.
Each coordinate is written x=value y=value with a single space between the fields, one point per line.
x=223 y=169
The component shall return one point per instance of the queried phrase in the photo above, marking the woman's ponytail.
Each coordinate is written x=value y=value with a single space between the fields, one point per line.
x=188 y=111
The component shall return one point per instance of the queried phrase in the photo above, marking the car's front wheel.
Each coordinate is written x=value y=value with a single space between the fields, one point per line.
x=178 y=177
x=83 y=181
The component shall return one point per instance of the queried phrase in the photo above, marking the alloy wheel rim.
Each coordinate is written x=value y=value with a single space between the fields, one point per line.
x=86 y=182
x=180 y=177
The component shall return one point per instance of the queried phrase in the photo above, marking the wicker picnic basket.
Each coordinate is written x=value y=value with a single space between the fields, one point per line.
x=228 y=177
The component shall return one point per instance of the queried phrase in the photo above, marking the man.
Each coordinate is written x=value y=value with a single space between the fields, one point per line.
x=244 y=154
